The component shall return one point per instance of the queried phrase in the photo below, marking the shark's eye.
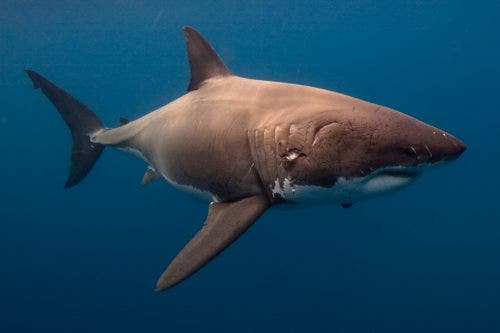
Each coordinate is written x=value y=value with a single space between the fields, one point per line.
x=411 y=151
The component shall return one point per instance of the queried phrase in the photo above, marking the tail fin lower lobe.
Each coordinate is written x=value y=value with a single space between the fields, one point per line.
x=81 y=121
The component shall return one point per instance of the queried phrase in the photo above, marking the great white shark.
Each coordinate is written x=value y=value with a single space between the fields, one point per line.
x=247 y=145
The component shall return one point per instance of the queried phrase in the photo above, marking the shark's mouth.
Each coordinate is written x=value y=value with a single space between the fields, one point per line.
x=388 y=179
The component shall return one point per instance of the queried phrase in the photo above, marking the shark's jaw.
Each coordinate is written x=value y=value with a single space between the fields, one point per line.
x=387 y=180
x=350 y=190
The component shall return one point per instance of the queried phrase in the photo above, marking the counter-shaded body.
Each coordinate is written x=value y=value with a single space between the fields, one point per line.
x=249 y=144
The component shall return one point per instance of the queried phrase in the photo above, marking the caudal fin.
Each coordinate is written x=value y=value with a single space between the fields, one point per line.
x=81 y=121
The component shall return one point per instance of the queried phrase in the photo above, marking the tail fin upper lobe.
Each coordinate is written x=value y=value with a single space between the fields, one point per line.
x=81 y=121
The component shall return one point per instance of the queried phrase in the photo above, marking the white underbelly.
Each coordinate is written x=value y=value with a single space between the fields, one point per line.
x=191 y=190
x=345 y=191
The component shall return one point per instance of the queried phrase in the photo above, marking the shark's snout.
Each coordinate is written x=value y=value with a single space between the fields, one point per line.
x=438 y=146
x=422 y=143
x=455 y=148
x=444 y=147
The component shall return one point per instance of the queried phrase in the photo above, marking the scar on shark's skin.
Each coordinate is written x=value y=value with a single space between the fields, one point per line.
x=247 y=145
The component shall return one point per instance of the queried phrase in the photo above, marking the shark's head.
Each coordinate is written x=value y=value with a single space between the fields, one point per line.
x=368 y=151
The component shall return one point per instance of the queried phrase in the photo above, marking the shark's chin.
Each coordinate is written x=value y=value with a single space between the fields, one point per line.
x=387 y=181
x=390 y=179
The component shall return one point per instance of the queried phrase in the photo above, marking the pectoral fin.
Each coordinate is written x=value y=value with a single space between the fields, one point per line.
x=224 y=224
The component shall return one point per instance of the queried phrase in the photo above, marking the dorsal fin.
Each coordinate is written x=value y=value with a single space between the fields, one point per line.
x=203 y=60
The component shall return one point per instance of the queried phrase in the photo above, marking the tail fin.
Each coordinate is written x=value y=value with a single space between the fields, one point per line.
x=81 y=121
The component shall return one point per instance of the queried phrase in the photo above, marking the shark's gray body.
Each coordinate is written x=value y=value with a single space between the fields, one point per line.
x=249 y=144
x=217 y=139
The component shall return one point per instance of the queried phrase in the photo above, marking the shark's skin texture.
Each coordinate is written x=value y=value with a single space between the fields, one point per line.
x=234 y=137
x=248 y=145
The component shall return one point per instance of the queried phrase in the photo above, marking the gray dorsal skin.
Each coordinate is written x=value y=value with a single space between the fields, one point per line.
x=250 y=144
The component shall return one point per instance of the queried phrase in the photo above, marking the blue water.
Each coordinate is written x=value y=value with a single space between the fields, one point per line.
x=425 y=259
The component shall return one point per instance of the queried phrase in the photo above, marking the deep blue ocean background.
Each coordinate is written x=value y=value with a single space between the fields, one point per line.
x=425 y=259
